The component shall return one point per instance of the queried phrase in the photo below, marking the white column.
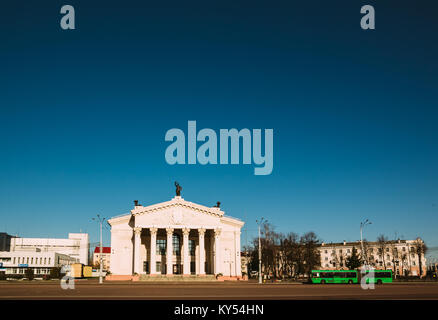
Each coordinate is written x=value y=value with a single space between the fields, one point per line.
x=201 y=251
x=142 y=270
x=186 y=260
x=137 y=242
x=238 y=260
x=169 y=253
x=217 y=251
x=152 y=261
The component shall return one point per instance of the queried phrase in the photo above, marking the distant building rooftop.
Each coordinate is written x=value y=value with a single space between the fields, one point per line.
x=104 y=250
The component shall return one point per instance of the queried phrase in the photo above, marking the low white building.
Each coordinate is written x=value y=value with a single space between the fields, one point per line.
x=76 y=246
x=40 y=262
x=175 y=237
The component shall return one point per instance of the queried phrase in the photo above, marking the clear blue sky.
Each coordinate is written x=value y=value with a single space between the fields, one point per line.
x=354 y=113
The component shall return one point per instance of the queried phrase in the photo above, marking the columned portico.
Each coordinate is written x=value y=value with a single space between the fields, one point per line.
x=176 y=237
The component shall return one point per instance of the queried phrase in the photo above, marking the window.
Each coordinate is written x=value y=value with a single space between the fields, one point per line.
x=146 y=266
x=192 y=247
x=348 y=250
x=14 y=260
x=161 y=247
x=326 y=258
x=176 y=244
x=404 y=249
x=387 y=249
x=50 y=259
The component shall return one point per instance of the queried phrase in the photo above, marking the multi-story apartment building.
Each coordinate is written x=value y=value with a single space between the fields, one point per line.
x=403 y=257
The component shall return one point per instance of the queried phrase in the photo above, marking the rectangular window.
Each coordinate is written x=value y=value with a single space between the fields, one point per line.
x=158 y=267
x=176 y=245
x=161 y=247
x=192 y=247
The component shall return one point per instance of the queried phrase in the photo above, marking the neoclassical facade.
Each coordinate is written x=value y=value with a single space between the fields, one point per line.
x=176 y=237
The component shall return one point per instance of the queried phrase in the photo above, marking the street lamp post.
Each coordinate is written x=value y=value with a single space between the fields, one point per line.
x=262 y=220
x=100 y=220
x=362 y=225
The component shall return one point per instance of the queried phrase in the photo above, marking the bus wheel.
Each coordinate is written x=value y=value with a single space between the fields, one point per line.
x=350 y=281
x=379 y=281
x=322 y=281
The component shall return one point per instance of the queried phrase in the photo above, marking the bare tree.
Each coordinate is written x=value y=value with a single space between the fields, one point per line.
x=420 y=249
x=310 y=253
x=382 y=244
x=395 y=256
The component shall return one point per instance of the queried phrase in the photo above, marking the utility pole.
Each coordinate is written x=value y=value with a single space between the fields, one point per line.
x=362 y=225
x=260 y=250
x=100 y=220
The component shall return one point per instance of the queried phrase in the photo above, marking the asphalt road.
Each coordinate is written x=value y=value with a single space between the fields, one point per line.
x=218 y=291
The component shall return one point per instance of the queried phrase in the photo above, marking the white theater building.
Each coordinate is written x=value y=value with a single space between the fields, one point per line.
x=176 y=237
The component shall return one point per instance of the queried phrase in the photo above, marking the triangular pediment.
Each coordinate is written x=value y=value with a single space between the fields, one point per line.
x=178 y=202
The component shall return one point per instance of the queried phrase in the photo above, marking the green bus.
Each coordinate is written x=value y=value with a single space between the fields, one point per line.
x=334 y=276
x=349 y=276
x=381 y=276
